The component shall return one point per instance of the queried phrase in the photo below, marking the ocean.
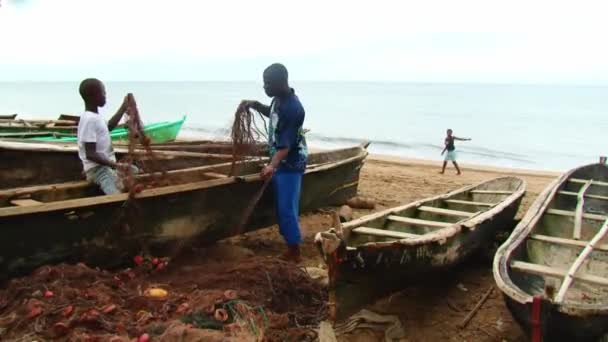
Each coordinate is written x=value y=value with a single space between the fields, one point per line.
x=540 y=127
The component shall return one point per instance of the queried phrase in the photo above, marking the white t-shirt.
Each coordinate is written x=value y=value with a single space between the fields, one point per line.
x=92 y=128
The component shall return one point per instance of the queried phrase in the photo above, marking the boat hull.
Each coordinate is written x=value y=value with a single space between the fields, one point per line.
x=376 y=272
x=572 y=320
x=556 y=325
x=106 y=230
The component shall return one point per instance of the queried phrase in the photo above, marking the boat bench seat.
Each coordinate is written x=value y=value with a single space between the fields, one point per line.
x=492 y=192
x=572 y=214
x=479 y=204
x=25 y=202
x=556 y=272
x=571 y=193
x=584 y=181
x=567 y=242
x=418 y=222
x=446 y=212
x=384 y=233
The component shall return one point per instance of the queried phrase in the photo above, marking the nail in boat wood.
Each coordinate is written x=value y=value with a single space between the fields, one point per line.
x=371 y=256
x=559 y=252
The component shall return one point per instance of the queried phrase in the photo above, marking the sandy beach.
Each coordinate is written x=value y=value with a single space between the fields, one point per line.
x=429 y=310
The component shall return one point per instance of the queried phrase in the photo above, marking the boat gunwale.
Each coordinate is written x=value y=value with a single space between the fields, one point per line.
x=522 y=231
x=440 y=235
x=171 y=189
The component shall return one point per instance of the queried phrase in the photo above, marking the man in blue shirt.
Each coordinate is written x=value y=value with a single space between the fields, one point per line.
x=288 y=153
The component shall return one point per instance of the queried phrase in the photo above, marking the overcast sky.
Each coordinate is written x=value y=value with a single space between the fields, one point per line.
x=531 y=41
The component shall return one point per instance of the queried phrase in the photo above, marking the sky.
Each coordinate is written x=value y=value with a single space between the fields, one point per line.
x=477 y=41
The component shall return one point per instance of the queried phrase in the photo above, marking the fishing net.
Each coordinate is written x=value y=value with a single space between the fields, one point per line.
x=148 y=162
x=266 y=300
x=246 y=135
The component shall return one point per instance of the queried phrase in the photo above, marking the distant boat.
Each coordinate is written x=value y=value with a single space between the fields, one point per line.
x=371 y=256
x=65 y=130
x=553 y=269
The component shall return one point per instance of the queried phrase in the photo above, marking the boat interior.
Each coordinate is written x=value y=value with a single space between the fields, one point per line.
x=565 y=255
x=430 y=216
x=47 y=193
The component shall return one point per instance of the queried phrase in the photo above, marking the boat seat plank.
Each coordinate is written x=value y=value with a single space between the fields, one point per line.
x=560 y=212
x=479 y=204
x=567 y=242
x=418 y=222
x=447 y=212
x=25 y=202
x=571 y=193
x=492 y=192
x=215 y=175
x=583 y=181
x=556 y=272
x=384 y=233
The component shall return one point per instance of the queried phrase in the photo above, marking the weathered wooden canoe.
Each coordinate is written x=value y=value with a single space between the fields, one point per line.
x=32 y=163
x=372 y=255
x=558 y=253
x=73 y=222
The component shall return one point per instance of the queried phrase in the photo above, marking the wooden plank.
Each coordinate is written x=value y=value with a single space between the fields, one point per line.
x=583 y=181
x=555 y=272
x=384 y=233
x=492 y=192
x=418 y=222
x=447 y=212
x=567 y=242
x=571 y=193
x=578 y=213
x=479 y=204
x=215 y=175
x=571 y=214
x=561 y=294
x=25 y=202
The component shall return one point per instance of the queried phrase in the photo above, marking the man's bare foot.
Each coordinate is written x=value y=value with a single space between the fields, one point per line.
x=458 y=173
x=292 y=254
x=440 y=172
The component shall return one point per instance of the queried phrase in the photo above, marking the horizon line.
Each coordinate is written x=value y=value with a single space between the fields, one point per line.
x=498 y=83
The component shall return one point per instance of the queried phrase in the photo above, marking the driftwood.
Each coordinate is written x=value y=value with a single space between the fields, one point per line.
x=471 y=314
x=361 y=203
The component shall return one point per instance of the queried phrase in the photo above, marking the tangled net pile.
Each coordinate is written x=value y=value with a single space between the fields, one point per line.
x=257 y=300
x=246 y=135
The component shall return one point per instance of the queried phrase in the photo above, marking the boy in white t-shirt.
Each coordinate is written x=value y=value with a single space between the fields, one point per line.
x=94 y=142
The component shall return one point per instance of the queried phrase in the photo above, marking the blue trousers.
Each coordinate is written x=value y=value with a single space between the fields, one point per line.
x=287 y=188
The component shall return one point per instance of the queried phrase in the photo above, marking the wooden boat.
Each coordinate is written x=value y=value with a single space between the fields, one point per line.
x=372 y=256
x=31 y=163
x=73 y=222
x=65 y=130
x=159 y=132
x=558 y=254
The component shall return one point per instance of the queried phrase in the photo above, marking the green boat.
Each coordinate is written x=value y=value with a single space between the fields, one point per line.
x=159 y=132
